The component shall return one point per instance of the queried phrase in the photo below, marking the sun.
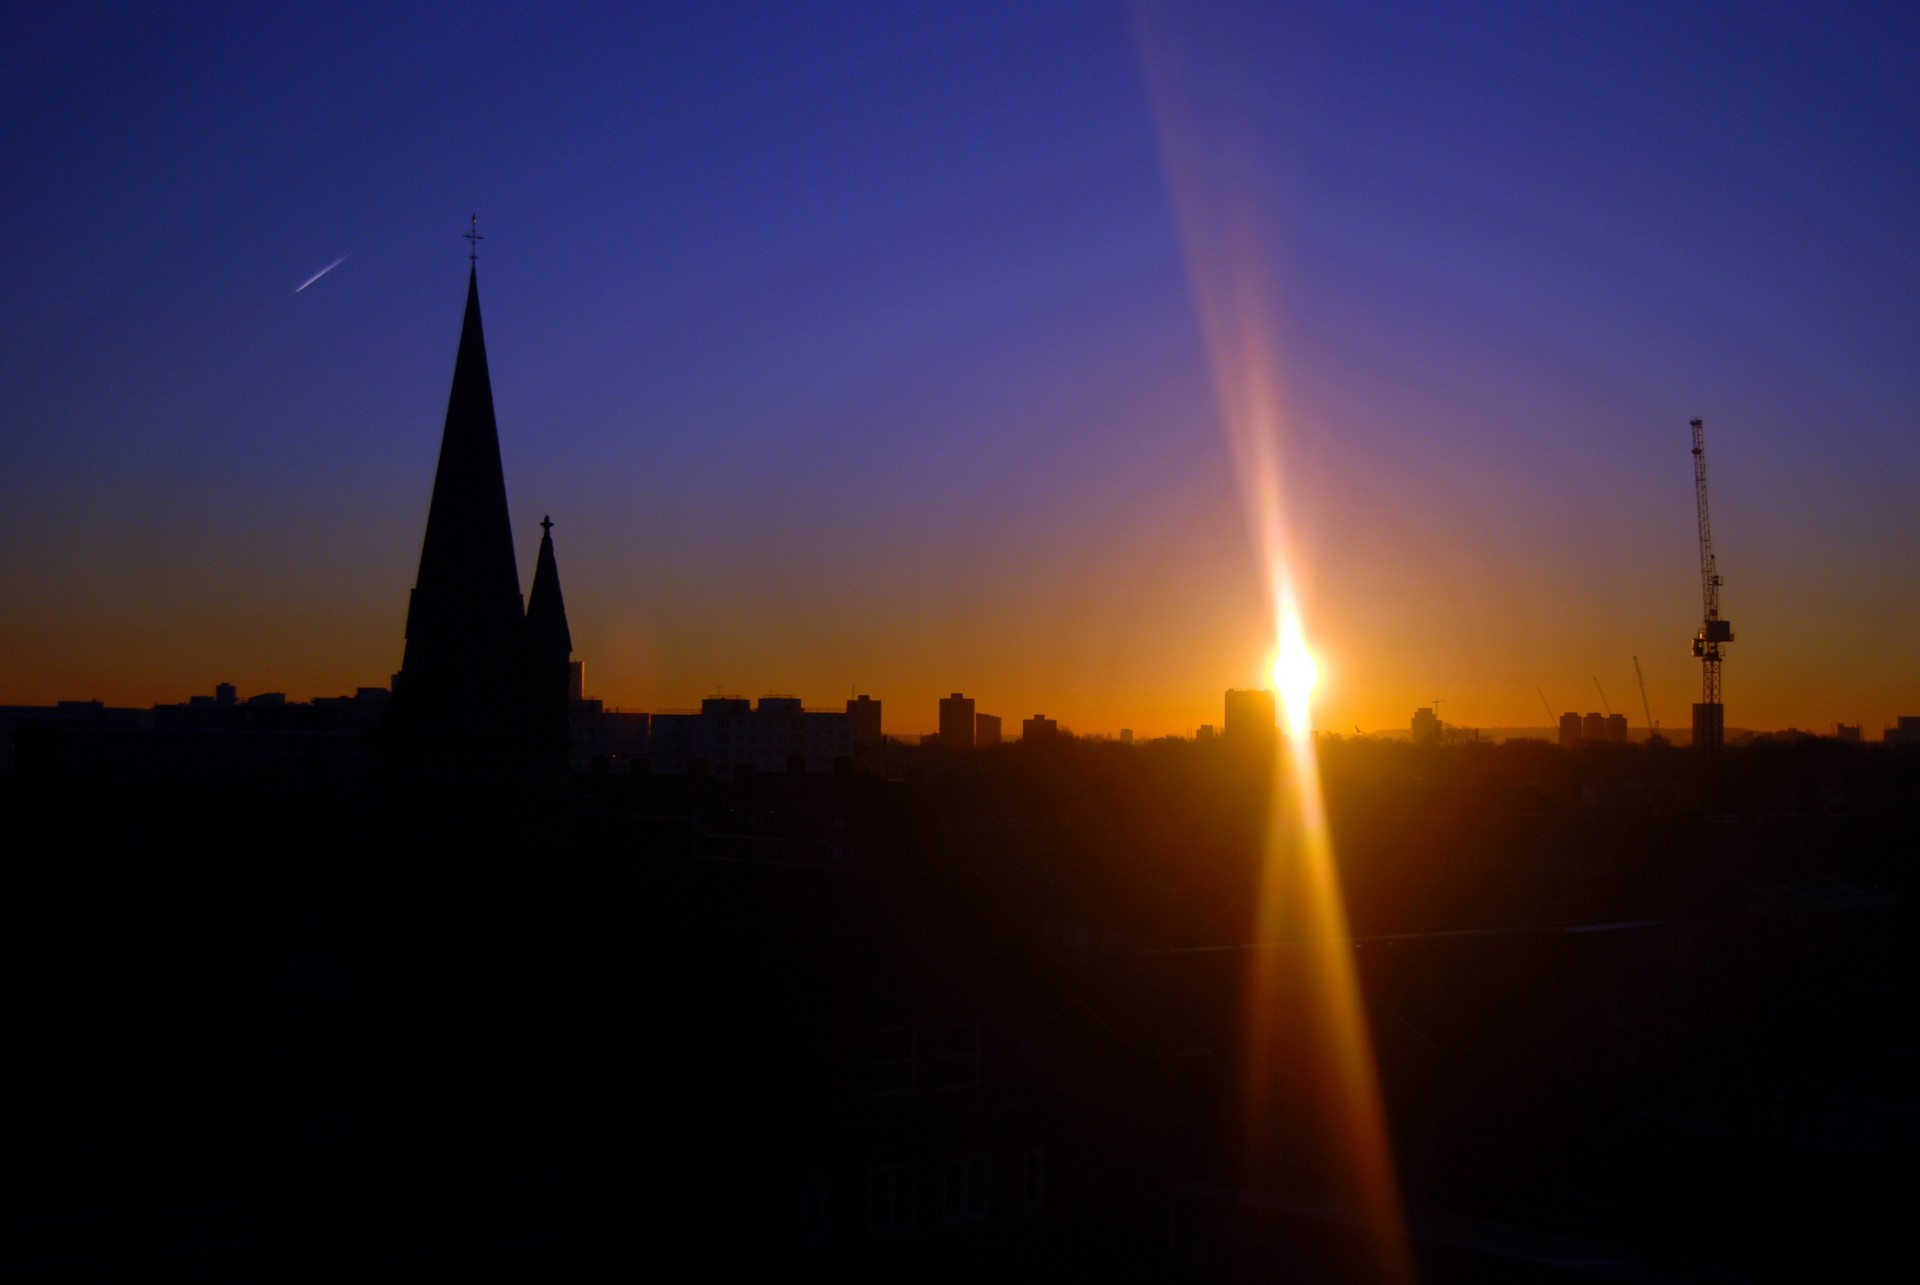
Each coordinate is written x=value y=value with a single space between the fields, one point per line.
x=1295 y=674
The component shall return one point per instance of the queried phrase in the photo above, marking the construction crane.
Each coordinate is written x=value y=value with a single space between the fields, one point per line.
x=1553 y=719
x=1646 y=706
x=1604 y=702
x=1709 y=716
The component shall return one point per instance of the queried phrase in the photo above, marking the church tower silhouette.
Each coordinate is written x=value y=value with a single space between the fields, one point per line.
x=466 y=703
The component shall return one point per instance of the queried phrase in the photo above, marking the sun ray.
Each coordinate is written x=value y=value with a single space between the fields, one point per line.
x=1306 y=997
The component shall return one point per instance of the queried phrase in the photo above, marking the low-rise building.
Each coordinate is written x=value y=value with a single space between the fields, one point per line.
x=1039 y=728
x=729 y=734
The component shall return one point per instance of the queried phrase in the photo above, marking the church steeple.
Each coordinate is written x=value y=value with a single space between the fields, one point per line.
x=546 y=609
x=549 y=654
x=467 y=571
x=457 y=700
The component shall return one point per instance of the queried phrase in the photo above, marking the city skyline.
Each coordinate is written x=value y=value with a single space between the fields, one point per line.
x=925 y=423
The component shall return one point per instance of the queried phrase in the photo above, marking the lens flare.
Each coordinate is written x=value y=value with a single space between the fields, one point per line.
x=1295 y=674
x=1311 y=1109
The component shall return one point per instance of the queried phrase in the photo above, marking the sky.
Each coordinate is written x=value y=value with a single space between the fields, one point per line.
x=864 y=347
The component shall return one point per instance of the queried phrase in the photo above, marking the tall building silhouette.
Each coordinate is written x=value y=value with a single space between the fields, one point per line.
x=1570 y=731
x=864 y=714
x=956 y=722
x=1250 y=715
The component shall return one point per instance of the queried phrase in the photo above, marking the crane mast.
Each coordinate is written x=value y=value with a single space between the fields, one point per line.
x=1709 y=717
x=1646 y=706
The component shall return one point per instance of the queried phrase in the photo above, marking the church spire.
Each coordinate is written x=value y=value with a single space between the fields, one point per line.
x=546 y=609
x=466 y=560
x=549 y=658
x=457 y=698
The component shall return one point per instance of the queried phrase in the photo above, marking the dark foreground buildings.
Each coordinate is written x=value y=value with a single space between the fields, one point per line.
x=424 y=1007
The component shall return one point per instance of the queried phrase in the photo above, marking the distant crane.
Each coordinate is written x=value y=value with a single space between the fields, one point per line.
x=1604 y=703
x=1553 y=719
x=1709 y=716
x=1645 y=706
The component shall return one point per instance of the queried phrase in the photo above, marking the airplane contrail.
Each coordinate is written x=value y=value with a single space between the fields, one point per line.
x=323 y=272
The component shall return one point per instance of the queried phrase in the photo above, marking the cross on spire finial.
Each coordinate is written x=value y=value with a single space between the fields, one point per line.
x=473 y=240
x=546 y=526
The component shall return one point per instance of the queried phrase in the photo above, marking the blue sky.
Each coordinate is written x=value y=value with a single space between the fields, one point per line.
x=853 y=345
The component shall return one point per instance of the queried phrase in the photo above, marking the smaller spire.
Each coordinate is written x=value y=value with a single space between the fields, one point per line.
x=549 y=663
x=474 y=239
x=547 y=629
